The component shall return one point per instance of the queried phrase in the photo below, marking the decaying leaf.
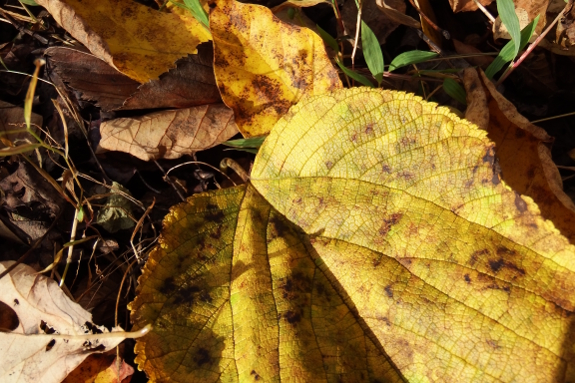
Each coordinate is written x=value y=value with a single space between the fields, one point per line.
x=140 y=42
x=396 y=15
x=12 y=126
x=375 y=242
x=263 y=66
x=381 y=23
x=116 y=213
x=191 y=83
x=101 y=368
x=35 y=351
x=467 y=5
x=524 y=152
x=169 y=134
x=95 y=79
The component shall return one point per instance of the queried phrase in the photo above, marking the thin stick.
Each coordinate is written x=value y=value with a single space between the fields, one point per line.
x=554 y=117
x=357 y=31
x=485 y=11
x=530 y=48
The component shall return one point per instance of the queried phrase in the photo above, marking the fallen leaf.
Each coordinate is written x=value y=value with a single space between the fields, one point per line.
x=140 y=42
x=523 y=150
x=298 y=4
x=386 y=250
x=380 y=22
x=116 y=213
x=397 y=16
x=191 y=83
x=35 y=350
x=169 y=134
x=261 y=72
x=12 y=126
x=95 y=79
x=101 y=368
x=467 y=5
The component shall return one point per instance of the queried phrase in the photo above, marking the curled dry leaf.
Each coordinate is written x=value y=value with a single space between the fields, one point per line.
x=523 y=150
x=467 y=5
x=191 y=83
x=388 y=250
x=31 y=352
x=263 y=66
x=95 y=79
x=169 y=134
x=137 y=40
x=396 y=15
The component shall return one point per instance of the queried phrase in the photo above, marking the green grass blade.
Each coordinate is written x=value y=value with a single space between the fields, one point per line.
x=30 y=2
x=509 y=18
x=372 y=52
x=243 y=143
x=329 y=40
x=198 y=11
x=508 y=52
x=453 y=89
x=410 y=57
x=356 y=76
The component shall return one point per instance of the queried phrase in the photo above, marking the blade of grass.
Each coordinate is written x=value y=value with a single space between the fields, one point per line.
x=453 y=89
x=509 y=18
x=410 y=57
x=507 y=53
x=354 y=75
x=372 y=52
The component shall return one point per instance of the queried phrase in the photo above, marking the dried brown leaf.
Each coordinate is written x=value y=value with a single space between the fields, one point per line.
x=35 y=351
x=169 y=134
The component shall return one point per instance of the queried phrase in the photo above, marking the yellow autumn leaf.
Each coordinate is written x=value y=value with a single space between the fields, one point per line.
x=375 y=242
x=138 y=41
x=263 y=66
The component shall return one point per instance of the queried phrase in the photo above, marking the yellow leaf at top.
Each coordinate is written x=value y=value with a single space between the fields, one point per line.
x=138 y=41
x=375 y=242
x=263 y=66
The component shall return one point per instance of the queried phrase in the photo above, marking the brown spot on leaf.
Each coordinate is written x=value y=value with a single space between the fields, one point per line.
x=279 y=225
x=489 y=157
x=328 y=165
x=467 y=278
x=292 y=316
x=385 y=169
x=520 y=204
x=255 y=374
x=477 y=255
x=369 y=128
x=168 y=286
x=50 y=345
x=389 y=291
x=495 y=180
x=202 y=357
x=216 y=234
x=353 y=137
x=389 y=222
x=186 y=295
x=214 y=214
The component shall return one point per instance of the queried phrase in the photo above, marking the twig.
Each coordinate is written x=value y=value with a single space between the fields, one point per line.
x=444 y=32
x=357 y=31
x=530 y=48
x=485 y=11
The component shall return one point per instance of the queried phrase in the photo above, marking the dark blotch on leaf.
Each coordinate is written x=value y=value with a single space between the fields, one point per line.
x=389 y=291
x=292 y=316
x=520 y=204
x=186 y=295
x=50 y=344
x=278 y=225
x=467 y=278
x=168 y=287
x=255 y=374
x=202 y=357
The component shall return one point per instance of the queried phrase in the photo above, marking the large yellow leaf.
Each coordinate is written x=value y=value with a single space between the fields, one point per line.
x=380 y=245
x=263 y=66
x=136 y=40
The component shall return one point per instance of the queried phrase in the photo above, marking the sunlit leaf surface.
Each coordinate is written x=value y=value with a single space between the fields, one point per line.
x=380 y=245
